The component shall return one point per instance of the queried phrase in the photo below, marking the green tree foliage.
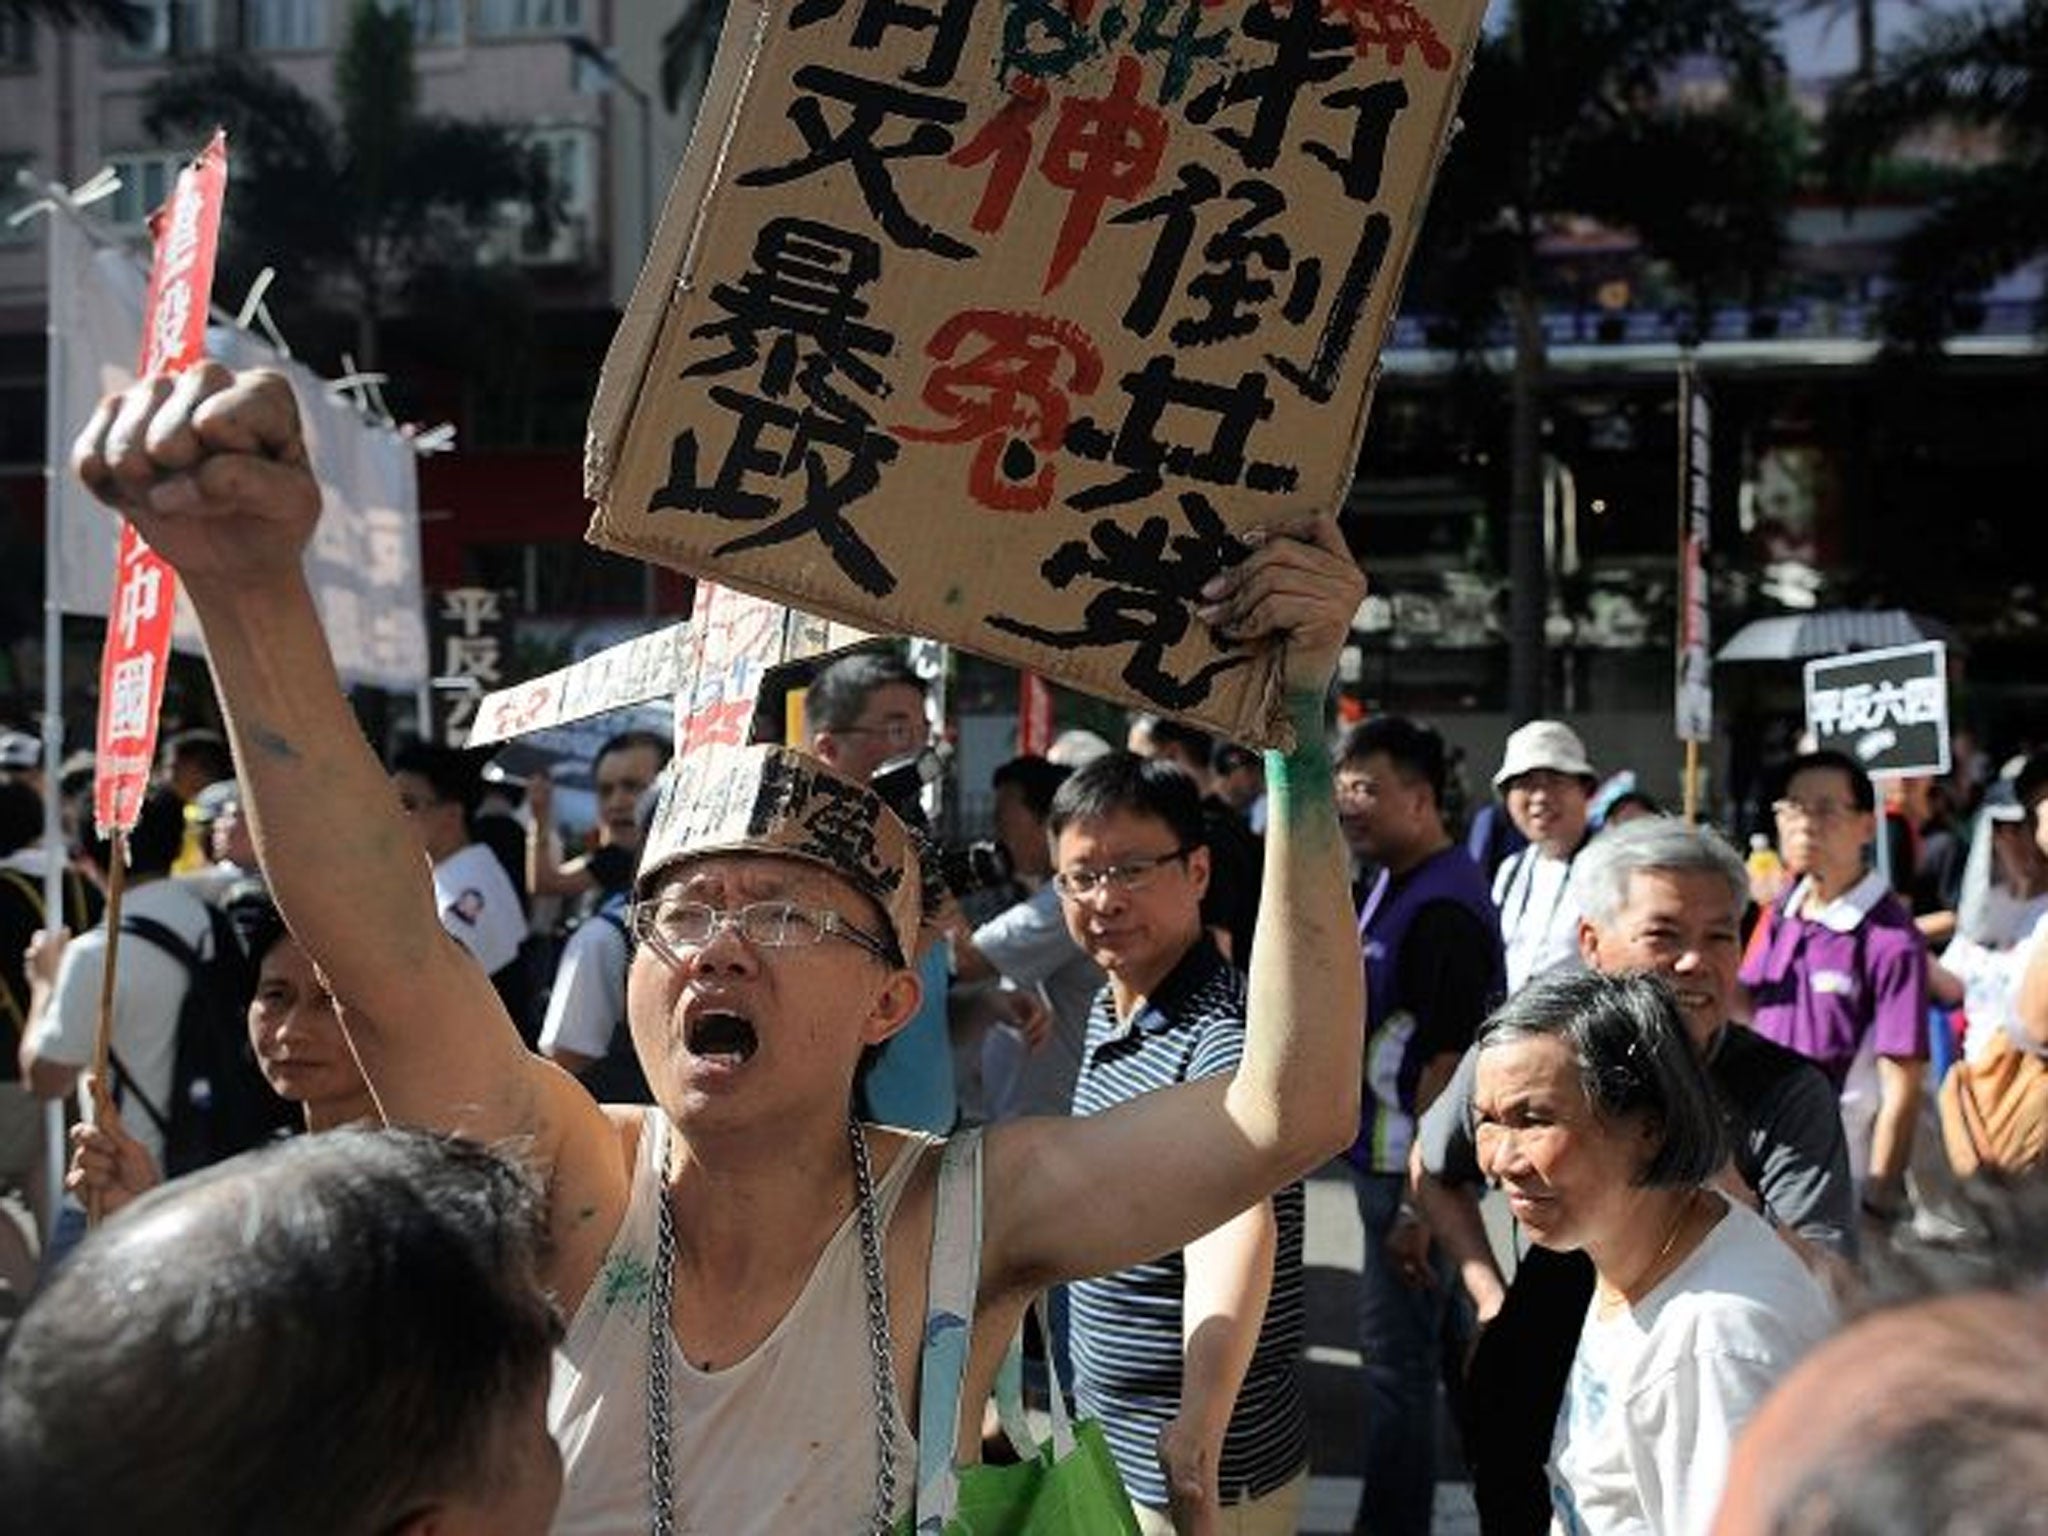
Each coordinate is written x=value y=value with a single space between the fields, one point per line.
x=1664 y=118
x=351 y=206
x=1983 y=71
x=123 y=17
x=687 y=47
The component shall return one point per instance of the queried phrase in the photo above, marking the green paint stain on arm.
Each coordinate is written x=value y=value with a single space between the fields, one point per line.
x=625 y=1280
x=1302 y=778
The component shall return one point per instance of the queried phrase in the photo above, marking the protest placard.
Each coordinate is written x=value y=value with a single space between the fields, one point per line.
x=138 y=646
x=1002 y=321
x=712 y=665
x=1888 y=709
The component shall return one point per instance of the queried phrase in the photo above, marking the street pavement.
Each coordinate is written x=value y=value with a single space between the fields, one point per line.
x=1332 y=1252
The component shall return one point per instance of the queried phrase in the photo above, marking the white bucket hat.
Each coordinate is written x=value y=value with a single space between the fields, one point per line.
x=1543 y=744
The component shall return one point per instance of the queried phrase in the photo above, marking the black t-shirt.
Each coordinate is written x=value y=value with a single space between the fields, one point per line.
x=1237 y=870
x=1443 y=975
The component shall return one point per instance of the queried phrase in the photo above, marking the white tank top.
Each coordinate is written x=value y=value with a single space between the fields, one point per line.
x=781 y=1441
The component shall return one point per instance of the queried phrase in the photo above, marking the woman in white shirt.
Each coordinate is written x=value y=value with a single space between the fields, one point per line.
x=1596 y=1118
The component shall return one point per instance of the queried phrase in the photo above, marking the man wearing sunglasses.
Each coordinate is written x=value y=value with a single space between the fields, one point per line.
x=1190 y=1360
x=743 y=1265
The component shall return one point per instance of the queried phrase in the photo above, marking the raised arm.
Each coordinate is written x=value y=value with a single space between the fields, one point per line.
x=1228 y=1281
x=1220 y=1144
x=212 y=470
x=547 y=873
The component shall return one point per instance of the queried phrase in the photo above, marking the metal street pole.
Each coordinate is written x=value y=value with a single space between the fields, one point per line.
x=588 y=62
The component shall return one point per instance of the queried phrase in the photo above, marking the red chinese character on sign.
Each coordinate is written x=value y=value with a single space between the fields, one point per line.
x=1008 y=395
x=1391 y=26
x=1101 y=148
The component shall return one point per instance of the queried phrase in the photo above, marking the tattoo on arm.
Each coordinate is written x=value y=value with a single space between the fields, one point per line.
x=271 y=744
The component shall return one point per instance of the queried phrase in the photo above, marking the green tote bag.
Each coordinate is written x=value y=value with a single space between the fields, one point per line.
x=1067 y=1486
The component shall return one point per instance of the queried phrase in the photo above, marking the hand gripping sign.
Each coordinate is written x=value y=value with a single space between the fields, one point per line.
x=145 y=588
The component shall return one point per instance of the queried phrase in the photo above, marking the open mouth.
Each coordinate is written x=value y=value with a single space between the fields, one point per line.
x=722 y=1036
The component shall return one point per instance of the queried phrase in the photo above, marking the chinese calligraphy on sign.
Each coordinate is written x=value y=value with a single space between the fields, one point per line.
x=145 y=589
x=1001 y=321
x=1888 y=708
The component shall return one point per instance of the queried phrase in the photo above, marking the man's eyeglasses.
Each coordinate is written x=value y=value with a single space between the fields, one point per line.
x=897 y=733
x=672 y=926
x=1816 y=812
x=1131 y=875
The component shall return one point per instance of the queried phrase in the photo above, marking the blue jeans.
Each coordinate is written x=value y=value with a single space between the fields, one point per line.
x=1400 y=1331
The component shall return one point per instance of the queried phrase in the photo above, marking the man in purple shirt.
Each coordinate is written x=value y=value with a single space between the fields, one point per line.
x=1840 y=973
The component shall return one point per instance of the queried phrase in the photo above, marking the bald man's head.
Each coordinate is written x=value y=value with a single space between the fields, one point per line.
x=1929 y=1419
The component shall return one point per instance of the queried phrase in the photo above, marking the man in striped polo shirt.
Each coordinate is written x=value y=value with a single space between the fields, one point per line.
x=1192 y=1360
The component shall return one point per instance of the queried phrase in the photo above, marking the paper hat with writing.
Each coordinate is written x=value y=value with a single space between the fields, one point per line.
x=773 y=800
x=1544 y=744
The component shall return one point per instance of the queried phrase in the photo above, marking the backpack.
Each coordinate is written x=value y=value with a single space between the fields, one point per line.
x=219 y=1102
x=1994 y=1113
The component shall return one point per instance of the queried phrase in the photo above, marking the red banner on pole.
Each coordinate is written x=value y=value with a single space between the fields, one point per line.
x=1034 y=715
x=186 y=230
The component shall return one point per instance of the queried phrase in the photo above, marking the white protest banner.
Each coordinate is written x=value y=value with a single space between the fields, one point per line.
x=1694 y=711
x=364 y=562
x=1002 y=321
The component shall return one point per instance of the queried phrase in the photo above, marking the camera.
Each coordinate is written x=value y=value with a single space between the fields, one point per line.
x=977 y=866
x=965 y=867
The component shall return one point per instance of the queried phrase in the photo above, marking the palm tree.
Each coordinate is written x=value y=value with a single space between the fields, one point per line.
x=124 y=17
x=1984 y=70
x=368 y=198
x=1571 y=110
x=687 y=48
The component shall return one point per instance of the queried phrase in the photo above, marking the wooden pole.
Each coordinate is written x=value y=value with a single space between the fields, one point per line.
x=1692 y=783
x=103 y=1035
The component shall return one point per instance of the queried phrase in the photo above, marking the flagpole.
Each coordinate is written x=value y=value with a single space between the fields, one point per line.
x=55 y=854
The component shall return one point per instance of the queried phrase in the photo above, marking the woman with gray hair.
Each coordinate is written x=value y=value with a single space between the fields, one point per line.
x=1593 y=1113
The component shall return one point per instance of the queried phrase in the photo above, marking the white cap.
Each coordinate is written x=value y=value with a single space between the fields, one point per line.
x=1076 y=748
x=1543 y=744
x=19 y=752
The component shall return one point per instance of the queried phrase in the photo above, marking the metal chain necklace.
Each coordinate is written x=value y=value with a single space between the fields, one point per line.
x=660 y=1471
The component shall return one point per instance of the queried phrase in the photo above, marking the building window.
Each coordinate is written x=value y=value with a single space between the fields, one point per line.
x=284 y=26
x=146 y=182
x=175 y=29
x=435 y=23
x=13 y=195
x=517 y=18
x=17 y=43
x=570 y=155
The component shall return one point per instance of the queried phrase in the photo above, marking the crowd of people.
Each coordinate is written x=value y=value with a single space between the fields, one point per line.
x=668 y=1109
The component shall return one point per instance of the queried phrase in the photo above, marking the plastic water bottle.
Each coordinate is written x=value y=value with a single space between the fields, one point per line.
x=1766 y=869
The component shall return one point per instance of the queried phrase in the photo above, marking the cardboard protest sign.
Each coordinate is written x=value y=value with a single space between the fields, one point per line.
x=138 y=645
x=1888 y=709
x=712 y=665
x=1000 y=321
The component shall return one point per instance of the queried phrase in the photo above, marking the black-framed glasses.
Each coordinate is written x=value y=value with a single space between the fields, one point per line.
x=1131 y=875
x=672 y=925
